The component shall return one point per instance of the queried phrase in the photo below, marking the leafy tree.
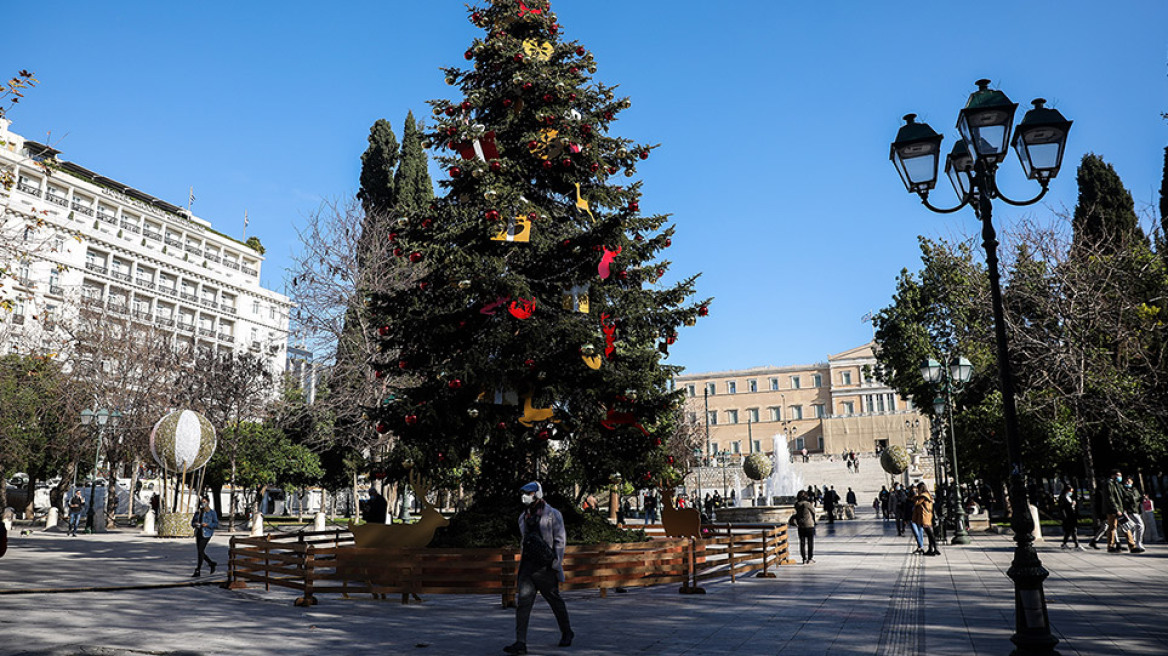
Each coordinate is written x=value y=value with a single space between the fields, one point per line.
x=263 y=456
x=492 y=339
x=412 y=183
x=1105 y=216
x=254 y=244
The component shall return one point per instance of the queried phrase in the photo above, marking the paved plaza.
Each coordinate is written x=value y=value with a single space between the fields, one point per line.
x=866 y=594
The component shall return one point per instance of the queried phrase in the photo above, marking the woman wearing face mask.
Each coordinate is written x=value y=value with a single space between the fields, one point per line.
x=541 y=565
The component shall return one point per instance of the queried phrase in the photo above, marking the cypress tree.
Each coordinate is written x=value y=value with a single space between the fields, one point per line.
x=412 y=181
x=377 y=165
x=1164 y=196
x=1105 y=216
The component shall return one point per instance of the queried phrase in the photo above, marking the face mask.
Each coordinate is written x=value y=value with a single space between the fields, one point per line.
x=527 y=499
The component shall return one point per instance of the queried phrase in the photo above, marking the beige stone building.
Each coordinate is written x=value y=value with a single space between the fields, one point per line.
x=827 y=408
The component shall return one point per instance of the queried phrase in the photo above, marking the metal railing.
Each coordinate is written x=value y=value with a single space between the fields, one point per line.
x=173 y=242
x=150 y=234
x=84 y=209
x=57 y=200
x=28 y=189
x=107 y=218
x=96 y=268
x=231 y=265
x=250 y=271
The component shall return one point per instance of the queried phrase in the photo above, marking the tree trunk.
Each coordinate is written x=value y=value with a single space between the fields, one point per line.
x=134 y=486
x=355 y=510
x=4 y=490
x=30 y=507
x=231 y=522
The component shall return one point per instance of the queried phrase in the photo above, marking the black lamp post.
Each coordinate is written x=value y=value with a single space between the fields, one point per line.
x=88 y=417
x=950 y=378
x=1039 y=140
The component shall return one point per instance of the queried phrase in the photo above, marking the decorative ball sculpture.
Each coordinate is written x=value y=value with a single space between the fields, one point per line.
x=757 y=466
x=183 y=440
x=894 y=460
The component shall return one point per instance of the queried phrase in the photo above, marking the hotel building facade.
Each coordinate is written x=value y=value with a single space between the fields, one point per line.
x=827 y=408
x=80 y=240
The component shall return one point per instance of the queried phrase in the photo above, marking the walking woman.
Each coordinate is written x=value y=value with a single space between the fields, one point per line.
x=1069 y=506
x=922 y=518
x=805 y=520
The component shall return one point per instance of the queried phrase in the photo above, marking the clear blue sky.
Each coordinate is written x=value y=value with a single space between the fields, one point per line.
x=775 y=120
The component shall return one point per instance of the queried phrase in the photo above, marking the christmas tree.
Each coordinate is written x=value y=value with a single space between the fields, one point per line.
x=533 y=344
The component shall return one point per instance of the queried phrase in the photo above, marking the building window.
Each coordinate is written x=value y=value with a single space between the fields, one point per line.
x=799 y=444
x=255 y=307
x=752 y=415
x=892 y=403
x=795 y=383
x=731 y=416
x=752 y=385
x=712 y=417
x=776 y=414
x=796 y=412
x=711 y=389
x=757 y=447
x=817 y=380
x=691 y=417
x=731 y=387
x=691 y=390
x=774 y=384
x=879 y=403
x=846 y=377
x=820 y=441
x=735 y=448
x=848 y=407
x=869 y=403
x=820 y=410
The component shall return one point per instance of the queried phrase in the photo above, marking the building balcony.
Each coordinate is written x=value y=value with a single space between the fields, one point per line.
x=188 y=297
x=250 y=271
x=169 y=291
x=107 y=218
x=18 y=319
x=28 y=189
x=206 y=332
x=118 y=275
x=255 y=346
x=96 y=268
x=131 y=227
x=186 y=327
x=57 y=200
x=144 y=317
x=192 y=249
x=150 y=234
x=84 y=209
x=231 y=265
x=207 y=303
x=118 y=308
x=173 y=242
x=91 y=300
x=164 y=322
x=56 y=290
x=24 y=281
x=212 y=257
x=227 y=309
x=224 y=337
x=142 y=282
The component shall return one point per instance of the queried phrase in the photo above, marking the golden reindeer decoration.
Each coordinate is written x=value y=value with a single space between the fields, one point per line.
x=402 y=536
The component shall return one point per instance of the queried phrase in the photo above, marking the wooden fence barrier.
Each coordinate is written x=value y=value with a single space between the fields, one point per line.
x=328 y=562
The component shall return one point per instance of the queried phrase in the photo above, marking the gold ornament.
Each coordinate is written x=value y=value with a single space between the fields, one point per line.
x=538 y=50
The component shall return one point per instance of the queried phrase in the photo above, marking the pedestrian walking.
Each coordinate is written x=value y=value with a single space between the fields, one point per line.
x=851 y=497
x=1113 y=498
x=204 y=522
x=76 y=509
x=922 y=519
x=897 y=502
x=541 y=565
x=1069 y=507
x=650 y=509
x=883 y=498
x=805 y=522
x=830 y=498
x=1148 y=512
x=1131 y=509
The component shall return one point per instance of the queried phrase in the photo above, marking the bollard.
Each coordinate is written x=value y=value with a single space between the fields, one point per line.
x=257 y=525
x=9 y=516
x=148 y=523
x=53 y=519
x=318 y=522
x=1037 y=527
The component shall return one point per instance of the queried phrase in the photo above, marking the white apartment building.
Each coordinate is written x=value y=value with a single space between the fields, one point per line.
x=77 y=238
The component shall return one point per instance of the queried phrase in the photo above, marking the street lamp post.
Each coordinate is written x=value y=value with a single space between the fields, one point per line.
x=88 y=417
x=937 y=446
x=951 y=377
x=971 y=166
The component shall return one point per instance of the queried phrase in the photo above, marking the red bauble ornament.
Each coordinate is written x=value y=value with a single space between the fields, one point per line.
x=476 y=18
x=672 y=339
x=532 y=145
x=553 y=29
x=547 y=164
x=648 y=476
x=571 y=96
x=466 y=105
x=411 y=420
x=529 y=363
x=586 y=129
x=547 y=97
x=397 y=252
x=544 y=434
x=638 y=238
x=657 y=441
x=507 y=102
x=566 y=163
x=450 y=110
x=573 y=70
x=496 y=166
x=566 y=243
x=492 y=215
x=669 y=459
x=608 y=116
x=668 y=243
x=580 y=50
x=402 y=364
x=455 y=172
x=392 y=237
x=518 y=57
x=644 y=154
x=624 y=275
x=532 y=216
x=527 y=86
x=454 y=384
x=383 y=331
x=423 y=285
x=501 y=425
x=660 y=272
x=469 y=54
x=594 y=167
x=634 y=206
x=378 y=373
x=382 y=427
x=452 y=130
x=426 y=223
x=415 y=257
x=611 y=170
x=703 y=311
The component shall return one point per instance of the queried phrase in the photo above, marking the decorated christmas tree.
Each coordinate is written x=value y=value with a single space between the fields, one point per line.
x=534 y=342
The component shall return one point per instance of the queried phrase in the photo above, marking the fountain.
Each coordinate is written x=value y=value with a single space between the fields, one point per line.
x=780 y=489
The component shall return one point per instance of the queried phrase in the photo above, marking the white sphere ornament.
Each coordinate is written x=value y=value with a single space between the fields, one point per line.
x=183 y=440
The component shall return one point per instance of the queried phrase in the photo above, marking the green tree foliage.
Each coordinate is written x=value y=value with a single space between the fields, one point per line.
x=1164 y=196
x=412 y=181
x=377 y=194
x=1105 y=216
x=264 y=456
x=493 y=351
x=254 y=244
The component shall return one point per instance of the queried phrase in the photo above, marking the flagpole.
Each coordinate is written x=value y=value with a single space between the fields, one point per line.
x=190 y=199
x=245 y=225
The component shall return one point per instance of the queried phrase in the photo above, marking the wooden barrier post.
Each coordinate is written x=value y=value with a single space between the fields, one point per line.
x=308 y=569
x=767 y=534
x=233 y=583
x=691 y=582
x=730 y=550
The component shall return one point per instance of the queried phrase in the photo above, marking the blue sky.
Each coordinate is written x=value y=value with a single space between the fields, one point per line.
x=774 y=120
